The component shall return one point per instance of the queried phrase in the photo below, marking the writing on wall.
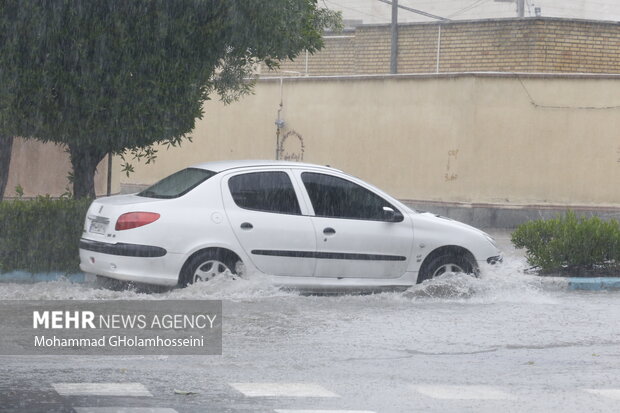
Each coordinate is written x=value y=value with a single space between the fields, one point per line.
x=451 y=164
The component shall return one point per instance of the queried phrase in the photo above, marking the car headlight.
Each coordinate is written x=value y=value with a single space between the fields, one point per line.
x=490 y=239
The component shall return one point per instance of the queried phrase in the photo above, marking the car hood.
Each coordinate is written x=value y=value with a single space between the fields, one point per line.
x=436 y=231
x=430 y=219
x=457 y=224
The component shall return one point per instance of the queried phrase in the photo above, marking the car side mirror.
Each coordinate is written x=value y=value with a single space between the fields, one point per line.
x=390 y=215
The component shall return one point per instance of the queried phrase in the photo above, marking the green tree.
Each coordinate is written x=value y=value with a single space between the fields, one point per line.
x=116 y=75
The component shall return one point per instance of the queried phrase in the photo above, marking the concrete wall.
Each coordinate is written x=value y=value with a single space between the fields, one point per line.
x=544 y=45
x=502 y=140
x=42 y=169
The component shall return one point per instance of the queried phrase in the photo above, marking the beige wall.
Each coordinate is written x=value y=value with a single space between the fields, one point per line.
x=464 y=138
x=42 y=169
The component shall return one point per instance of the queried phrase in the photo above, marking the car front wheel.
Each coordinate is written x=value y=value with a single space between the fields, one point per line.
x=446 y=263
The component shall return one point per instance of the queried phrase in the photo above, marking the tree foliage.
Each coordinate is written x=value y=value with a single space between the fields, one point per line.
x=116 y=75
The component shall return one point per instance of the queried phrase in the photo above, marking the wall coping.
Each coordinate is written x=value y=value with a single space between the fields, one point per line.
x=593 y=208
x=441 y=75
x=496 y=20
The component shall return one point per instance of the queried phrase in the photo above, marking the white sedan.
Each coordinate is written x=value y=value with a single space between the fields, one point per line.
x=298 y=225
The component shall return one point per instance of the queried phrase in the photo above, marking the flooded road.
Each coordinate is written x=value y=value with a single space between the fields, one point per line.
x=505 y=341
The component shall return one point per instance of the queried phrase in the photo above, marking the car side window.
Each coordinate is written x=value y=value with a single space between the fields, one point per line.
x=338 y=198
x=265 y=191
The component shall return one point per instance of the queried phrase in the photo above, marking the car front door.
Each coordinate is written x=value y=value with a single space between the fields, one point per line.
x=358 y=233
x=269 y=222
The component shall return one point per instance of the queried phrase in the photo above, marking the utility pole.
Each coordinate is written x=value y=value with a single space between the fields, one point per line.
x=394 y=44
x=520 y=8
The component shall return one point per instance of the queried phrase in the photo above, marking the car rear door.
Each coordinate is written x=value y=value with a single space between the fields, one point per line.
x=270 y=222
x=358 y=233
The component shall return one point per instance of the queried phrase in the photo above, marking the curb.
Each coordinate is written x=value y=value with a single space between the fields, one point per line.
x=28 y=277
x=577 y=283
x=594 y=284
x=554 y=283
x=551 y=283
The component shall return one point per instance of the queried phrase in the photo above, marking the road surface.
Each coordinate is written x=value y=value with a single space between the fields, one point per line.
x=502 y=342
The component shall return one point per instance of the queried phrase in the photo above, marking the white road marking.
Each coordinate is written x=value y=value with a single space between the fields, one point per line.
x=609 y=393
x=282 y=390
x=101 y=389
x=322 y=411
x=462 y=392
x=123 y=410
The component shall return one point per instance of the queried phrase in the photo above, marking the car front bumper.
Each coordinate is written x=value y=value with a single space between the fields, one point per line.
x=497 y=259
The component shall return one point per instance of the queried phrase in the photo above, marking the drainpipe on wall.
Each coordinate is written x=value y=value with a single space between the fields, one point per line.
x=279 y=121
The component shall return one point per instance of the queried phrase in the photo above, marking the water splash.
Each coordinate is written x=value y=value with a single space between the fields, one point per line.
x=223 y=288
x=228 y=288
x=507 y=282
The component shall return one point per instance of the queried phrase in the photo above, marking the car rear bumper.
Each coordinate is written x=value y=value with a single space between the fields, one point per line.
x=130 y=262
x=122 y=249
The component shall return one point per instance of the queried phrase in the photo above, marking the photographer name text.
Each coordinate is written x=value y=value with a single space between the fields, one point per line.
x=118 y=341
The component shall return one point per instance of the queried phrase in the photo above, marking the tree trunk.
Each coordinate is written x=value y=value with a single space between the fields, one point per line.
x=84 y=161
x=6 y=148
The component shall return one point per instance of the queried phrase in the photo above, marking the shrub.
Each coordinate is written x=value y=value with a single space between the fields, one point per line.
x=570 y=244
x=41 y=235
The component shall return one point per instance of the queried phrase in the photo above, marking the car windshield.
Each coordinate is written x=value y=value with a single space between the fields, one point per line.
x=177 y=184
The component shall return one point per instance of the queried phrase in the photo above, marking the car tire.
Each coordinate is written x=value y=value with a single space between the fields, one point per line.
x=207 y=265
x=447 y=262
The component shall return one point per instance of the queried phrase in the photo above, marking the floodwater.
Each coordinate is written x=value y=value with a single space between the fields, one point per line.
x=504 y=341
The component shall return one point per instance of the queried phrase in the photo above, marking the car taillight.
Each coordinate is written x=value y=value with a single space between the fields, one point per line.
x=135 y=219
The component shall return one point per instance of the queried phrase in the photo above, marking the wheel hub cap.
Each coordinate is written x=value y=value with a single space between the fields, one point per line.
x=447 y=268
x=209 y=270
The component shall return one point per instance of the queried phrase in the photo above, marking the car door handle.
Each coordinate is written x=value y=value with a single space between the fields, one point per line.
x=329 y=231
x=247 y=225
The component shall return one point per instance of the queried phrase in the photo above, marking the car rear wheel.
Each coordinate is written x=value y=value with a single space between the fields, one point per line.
x=207 y=266
x=446 y=263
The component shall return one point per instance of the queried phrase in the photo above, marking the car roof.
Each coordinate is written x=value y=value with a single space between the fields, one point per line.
x=220 y=166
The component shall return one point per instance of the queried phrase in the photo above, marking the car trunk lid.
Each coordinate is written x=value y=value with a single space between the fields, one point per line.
x=104 y=212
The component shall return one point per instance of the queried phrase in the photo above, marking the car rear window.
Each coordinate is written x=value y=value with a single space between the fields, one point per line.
x=177 y=184
x=265 y=192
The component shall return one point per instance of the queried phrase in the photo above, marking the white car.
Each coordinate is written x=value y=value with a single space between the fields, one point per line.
x=303 y=226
